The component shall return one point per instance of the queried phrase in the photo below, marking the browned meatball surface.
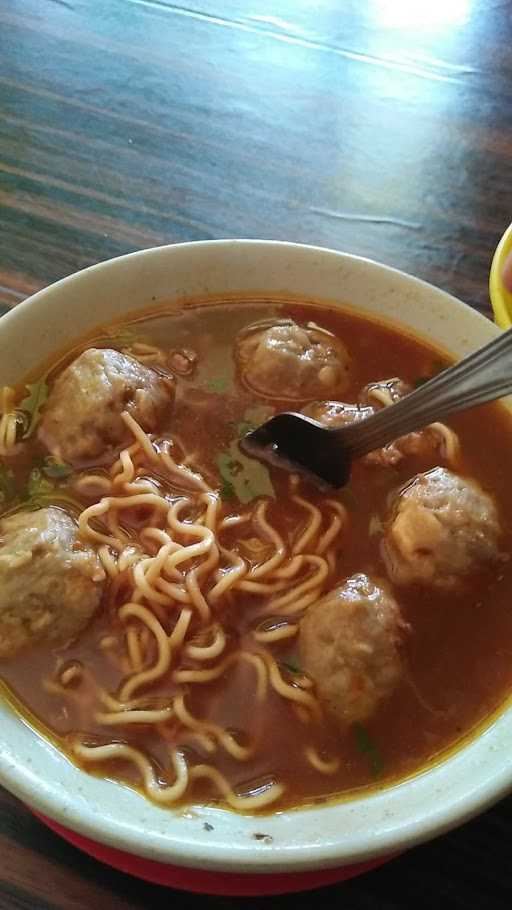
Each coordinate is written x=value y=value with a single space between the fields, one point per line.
x=442 y=526
x=436 y=438
x=82 y=417
x=286 y=360
x=349 y=645
x=50 y=585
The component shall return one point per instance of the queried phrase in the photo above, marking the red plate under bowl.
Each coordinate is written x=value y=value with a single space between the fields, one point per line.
x=227 y=884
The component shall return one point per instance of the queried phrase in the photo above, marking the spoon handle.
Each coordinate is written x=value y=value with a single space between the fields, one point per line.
x=482 y=376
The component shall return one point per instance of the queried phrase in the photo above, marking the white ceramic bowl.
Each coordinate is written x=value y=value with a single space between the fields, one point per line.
x=359 y=829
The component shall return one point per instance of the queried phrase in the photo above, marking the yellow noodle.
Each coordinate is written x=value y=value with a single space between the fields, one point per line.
x=112 y=522
x=233 y=520
x=137 y=500
x=141 y=347
x=132 y=451
x=292 y=692
x=337 y=522
x=129 y=556
x=226 y=740
x=268 y=532
x=8 y=426
x=292 y=597
x=381 y=395
x=251 y=802
x=141 y=485
x=196 y=596
x=211 y=651
x=213 y=502
x=173 y=591
x=211 y=562
x=321 y=764
x=204 y=742
x=163 y=662
x=146 y=353
x=135 y=716
x=7 y=399
x=184 y=473
x=141 y=437
x=311 y=530
x=108 y=561
x=134 y=649
x=189 y=529
x=152 y=595
x=205 y=676
x=154 y=565
x=128 y=470
x=71 y=674
x=143 y=702
x=179 y=632
x=95 y=511
x=260 y=587
x=8 y=421
x=296 y=607
x=229 y=578
x=108 y=641
x=153 y=789
x=294 y=565
x=157 y=536
x=200 y=676
x=279 y=633
x=450 y=445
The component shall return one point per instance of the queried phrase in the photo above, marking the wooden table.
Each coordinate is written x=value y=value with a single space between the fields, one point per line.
x=382 y=128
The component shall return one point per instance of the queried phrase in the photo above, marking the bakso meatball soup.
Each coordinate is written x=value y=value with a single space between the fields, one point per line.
x=186 y=620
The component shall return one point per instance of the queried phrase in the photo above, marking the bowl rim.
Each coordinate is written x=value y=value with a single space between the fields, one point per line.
x=445 y=811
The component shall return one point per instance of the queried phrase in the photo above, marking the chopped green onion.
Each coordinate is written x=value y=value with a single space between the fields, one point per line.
x=31 y=405
x=366 y=746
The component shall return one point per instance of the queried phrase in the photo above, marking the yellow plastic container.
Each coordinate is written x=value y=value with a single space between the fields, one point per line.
x=501 y=298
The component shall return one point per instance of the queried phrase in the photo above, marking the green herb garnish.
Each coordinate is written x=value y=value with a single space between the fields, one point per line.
x=243 y=477
x=31 y=406
x=217 y=384
x=40 y=491
x=124 y=337
x=57 y=470
x=244 y=427
x=227 y=490
x=366 y=746
x=291 y=667
x=37 y=485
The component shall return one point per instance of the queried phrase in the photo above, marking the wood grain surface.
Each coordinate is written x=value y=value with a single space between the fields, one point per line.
x=383 y=128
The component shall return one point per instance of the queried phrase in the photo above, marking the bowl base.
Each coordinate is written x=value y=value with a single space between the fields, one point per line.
x=200 y=881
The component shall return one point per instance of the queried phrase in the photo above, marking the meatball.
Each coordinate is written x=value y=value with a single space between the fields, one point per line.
x=349 y=645
x=337 y=413
x=422 y=443
x=384 y=392
x=82 y=417
x=286 y=360
x=442 y=526
x=50 y=585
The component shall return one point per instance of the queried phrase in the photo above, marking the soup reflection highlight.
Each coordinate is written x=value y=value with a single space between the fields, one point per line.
x=185 y=619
